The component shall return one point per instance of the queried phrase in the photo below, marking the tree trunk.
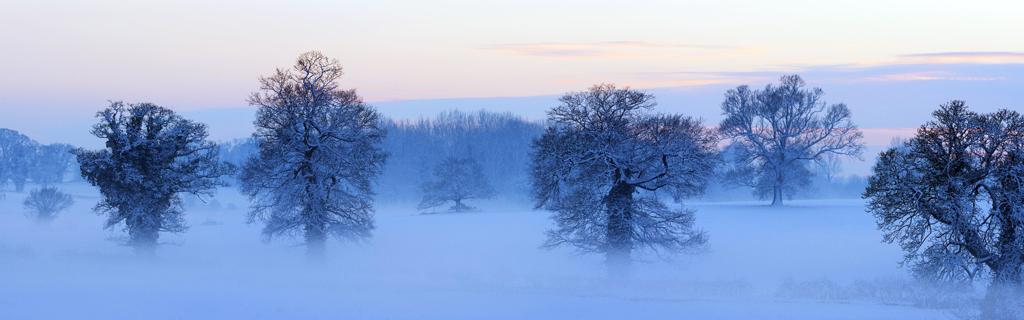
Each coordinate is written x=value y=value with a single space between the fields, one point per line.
x=144 y=222
x=459 y=207
x=777 y=196
x=46 y=215
x=314 y=229
x=142 y=238
x=316 y=239
x=1002 y=300
x=619 y=204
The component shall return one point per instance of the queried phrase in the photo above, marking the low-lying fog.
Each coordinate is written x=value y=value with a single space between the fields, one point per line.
x=813 y=259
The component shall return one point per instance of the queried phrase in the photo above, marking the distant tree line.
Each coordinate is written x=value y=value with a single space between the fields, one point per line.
x=24 y=160
x=498 y=142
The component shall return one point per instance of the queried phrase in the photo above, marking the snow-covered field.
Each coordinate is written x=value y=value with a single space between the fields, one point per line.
x=809 y=260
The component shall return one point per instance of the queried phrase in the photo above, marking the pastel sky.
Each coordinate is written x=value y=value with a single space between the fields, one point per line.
x=891 y=61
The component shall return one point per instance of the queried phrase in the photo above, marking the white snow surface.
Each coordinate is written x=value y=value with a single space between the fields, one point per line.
x=760 y=263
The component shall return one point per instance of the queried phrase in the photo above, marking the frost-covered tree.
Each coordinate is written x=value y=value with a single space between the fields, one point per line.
x=779 y=130
x=953 y=198
x=602 y=165
x=17 y=152
x=152 y=155
x=50 y=163
x=43 y=204
x=455 y=180
x=319 y=151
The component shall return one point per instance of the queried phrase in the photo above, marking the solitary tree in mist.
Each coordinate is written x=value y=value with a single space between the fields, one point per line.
x=456 y=179
x=779 y=130
x=50 y=163
x=17 y=153
x=953 y=198
x=152 y=155
x=600 y=164
x=318 y=154
x=44 y=204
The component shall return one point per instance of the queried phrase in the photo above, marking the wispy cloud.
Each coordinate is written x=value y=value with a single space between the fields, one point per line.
x=965 y=57
x=929 y=76
x=604 y=49
x=935 y=66
x=846 y=73
x=700 y=78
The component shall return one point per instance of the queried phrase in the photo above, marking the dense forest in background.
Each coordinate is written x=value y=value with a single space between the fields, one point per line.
x=499 y=142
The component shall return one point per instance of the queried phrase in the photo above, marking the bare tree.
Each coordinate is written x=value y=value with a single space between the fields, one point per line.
x=152 y=155
x=780 y=130
x=44 y=204
x=953 y=198
x=601 y=163
x=456 y=179
x=319 y=150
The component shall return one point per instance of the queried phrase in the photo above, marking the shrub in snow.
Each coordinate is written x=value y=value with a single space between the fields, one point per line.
x=953 y=198
x=44 y=204
x=777 y=132
x=455 y=180
x=319 y=151
x=151 y=156
x=600 y=163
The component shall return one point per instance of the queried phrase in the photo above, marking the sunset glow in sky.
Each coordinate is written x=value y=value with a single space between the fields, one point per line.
x=66 y=59
x=209 y=53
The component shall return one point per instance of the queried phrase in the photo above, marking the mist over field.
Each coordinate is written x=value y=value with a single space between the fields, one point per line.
x=817 y=259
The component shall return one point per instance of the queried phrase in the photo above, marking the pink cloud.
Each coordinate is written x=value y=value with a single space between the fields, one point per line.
x=885 y=136
x=591 y=49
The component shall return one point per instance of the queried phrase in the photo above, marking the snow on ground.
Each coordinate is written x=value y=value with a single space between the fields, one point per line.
x=809 y=260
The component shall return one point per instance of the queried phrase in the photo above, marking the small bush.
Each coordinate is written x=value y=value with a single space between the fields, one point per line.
x=44 y=204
